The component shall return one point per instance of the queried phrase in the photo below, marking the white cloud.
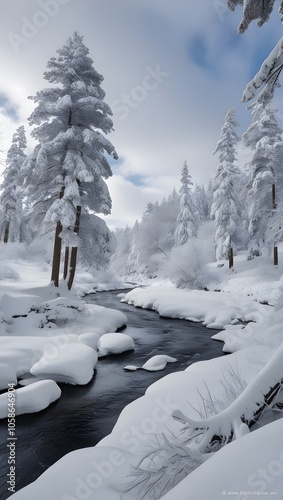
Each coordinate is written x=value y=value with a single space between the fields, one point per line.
x=130 y=201
x=208 y=66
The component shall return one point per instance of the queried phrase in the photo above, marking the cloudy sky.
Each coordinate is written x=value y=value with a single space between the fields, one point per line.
x=171 y=69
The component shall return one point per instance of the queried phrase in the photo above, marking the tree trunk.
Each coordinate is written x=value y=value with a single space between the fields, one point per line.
x=231 y=258
x=275 y=250
x=275 y=258
x=6 y=232
x=57 y=250
x=56 y=256
x=273 y=197
x=66 y=262
x=74 y=251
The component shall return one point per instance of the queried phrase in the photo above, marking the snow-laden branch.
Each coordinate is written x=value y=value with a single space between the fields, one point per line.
x=235 y=420
x=259 y=10
x=268 y=75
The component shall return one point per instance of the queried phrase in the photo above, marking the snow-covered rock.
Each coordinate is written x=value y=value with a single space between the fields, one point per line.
x=158 y=362
x=71 y=363
x=30 y=399
x=114 y=343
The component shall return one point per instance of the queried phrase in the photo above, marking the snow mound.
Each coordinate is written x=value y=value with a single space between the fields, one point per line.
x=32 y=398
x=62 y=310
x=7 y=273
x=158 y=362
x=17 y=304
x=72 y=363
x=114 y=343
x=131 y=368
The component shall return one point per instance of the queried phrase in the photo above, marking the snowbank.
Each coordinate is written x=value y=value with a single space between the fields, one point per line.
x=247 y=468
x=106 y=470
x=215 y=310
x=90 y=473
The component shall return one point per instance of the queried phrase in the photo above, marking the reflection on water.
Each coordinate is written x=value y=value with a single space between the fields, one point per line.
x=84 y=415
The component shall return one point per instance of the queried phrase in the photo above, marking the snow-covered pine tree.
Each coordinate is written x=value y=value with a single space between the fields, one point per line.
x=209 y=197
x=123 y=246
x=201 y=203
x=148 y=242
x=66 y=172
x=254 y=10
x=226 y=206
x=266 y=174
x=167 y=218
x=186 y=220
x=12 y=194
x=132 y=266
x=97 y=242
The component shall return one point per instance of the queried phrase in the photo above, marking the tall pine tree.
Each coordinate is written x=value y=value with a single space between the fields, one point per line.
x=12 y=193
x=66 y=172
x=264 y=138
x=186 y=220
x=226 y=206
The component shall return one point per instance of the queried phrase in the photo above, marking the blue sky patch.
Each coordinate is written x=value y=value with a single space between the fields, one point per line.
x=137 y=180
x=7 y=107
x=198 y=51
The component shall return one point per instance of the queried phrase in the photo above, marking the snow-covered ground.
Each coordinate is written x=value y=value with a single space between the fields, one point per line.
x=47 y=338
x=147 y=453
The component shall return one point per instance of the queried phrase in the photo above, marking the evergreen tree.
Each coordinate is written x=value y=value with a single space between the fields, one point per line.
x=147 y=243
x=186 y=220
x=201 y=203
x=254 y=10
x=169 y=210
x=12 y=194
x=226 y=207
x=66 y=172
x=131 y=258
x=264 y=138
x=123 y=247
x=97 y=242
x=141 y=250
x=209 y=197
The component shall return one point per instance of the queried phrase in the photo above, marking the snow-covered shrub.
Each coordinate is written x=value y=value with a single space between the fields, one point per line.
x=7 y=273
x=59 y=311
x=187 y=264
x=14 y=251
x=233 y=385
x=168 y=462
x=258 y=397
x=163 y=467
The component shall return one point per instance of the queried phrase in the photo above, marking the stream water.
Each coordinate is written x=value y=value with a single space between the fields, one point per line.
x=84 y=415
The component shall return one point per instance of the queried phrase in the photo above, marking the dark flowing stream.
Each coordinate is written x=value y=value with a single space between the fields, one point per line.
x=85 y=414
